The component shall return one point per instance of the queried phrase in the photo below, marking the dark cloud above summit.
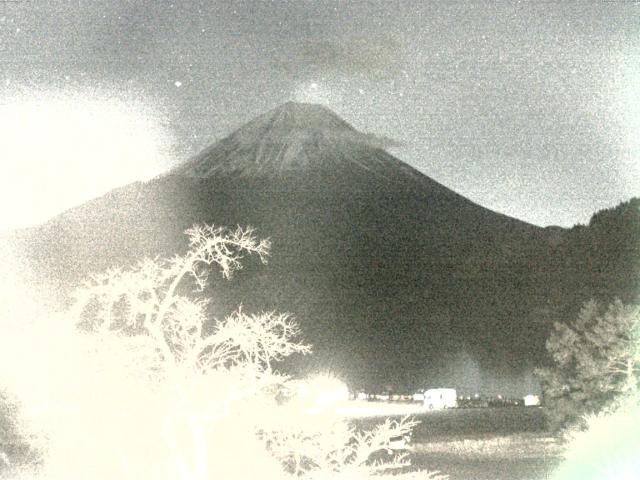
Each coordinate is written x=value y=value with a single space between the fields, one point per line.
x=377 y=56
x=382 y=141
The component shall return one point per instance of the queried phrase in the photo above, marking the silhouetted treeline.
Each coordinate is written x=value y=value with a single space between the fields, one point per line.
x=601 y=260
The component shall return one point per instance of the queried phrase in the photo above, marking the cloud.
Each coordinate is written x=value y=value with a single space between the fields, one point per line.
x=381 y=141
x=375 y=56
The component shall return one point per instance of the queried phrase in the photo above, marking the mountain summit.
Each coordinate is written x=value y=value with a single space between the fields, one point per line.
x=291 y=118
x=293 y=136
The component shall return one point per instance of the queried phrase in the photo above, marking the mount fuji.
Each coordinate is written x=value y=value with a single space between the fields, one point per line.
x=397 y=281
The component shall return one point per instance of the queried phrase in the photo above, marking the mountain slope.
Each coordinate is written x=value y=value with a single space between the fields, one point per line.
x=395 y=279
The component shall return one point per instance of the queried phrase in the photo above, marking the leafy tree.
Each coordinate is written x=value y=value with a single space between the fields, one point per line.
x=152 y=390
x=595 y=361
x=14 y=448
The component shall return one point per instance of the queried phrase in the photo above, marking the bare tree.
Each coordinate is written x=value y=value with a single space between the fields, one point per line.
x=215 y=389
x=326 y=444
x=146 y=300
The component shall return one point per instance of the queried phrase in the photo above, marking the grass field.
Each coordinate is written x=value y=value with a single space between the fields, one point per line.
x=531 y=456
x=486 y=443
x=471 y=444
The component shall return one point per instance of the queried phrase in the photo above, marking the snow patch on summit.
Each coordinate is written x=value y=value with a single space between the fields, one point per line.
x=291 y=137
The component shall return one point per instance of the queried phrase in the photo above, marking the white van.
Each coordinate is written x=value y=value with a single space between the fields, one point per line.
x=439 y=398
x=531 y=400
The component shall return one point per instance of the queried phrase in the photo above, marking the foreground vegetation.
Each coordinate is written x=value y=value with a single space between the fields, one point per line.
x=595 y=362
x=593 y=392
x=137 y=383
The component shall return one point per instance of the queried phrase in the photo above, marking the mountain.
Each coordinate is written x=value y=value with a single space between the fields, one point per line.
x=396 y=280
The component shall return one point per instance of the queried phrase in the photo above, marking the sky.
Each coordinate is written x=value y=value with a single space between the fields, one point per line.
x=528 y=108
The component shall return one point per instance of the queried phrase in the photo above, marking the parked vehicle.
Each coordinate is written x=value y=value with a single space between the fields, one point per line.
x=439 y=398
x=384 y=396
x=361 y=396
x=532 y=400
x=418 y=397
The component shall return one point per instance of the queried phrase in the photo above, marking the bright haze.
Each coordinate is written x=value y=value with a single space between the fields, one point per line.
x=60 y=150
x=527 y=108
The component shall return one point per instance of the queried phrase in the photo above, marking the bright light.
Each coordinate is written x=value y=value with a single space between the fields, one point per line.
x=60 y=150
x=322 y=391
x=331 y=393
x=313 y=92
x=363 y=408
